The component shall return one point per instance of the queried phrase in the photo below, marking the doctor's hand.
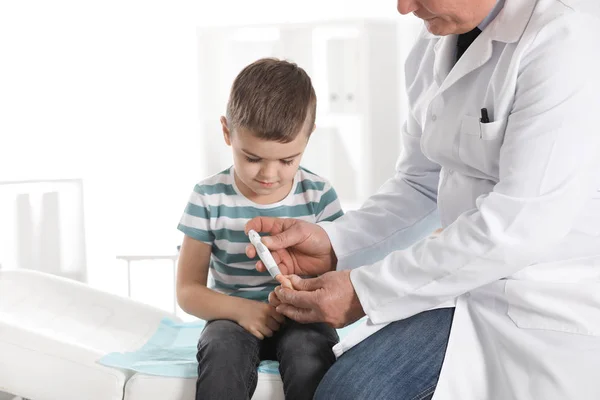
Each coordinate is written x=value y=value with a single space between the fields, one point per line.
x=330 y=298
x=298 y=247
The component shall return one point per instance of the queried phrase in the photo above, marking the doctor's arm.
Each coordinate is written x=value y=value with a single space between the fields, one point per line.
x=402 y=211
x=549 y=168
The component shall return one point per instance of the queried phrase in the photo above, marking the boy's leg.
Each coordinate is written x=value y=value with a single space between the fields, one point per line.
x=304 y=354
x=401 y=361
x=228 y=357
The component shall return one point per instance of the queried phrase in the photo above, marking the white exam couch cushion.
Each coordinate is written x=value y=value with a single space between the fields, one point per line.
x=53 y=330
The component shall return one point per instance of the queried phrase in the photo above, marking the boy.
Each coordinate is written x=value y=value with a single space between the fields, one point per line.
x=270 y=116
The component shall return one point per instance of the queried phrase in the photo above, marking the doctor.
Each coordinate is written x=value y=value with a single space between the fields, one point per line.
x=502 y=144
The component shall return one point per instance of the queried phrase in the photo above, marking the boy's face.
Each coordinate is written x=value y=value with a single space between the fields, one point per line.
x=264 y=169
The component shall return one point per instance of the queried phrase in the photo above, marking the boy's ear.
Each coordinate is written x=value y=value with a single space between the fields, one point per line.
x=313 y=128
x=226 y=133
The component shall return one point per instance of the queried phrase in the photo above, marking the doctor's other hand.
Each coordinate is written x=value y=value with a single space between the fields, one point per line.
x=330 y=298
x=298 y=247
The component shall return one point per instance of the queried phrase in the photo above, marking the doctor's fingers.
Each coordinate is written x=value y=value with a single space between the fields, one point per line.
x=298 y=298
x=302 y=315
x=271 y=225
x=250 y=251
x=260 y=266
x=308 y=284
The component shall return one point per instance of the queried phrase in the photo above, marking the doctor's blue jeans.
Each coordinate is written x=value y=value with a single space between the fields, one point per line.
x=401 y=361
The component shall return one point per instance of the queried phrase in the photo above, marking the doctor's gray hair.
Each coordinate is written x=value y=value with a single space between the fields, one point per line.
x=274 y=99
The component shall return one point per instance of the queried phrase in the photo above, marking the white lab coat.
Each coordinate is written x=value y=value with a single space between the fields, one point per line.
x=518 y=198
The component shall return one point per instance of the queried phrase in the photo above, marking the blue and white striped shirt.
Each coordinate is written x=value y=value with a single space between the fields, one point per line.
x=217 y=213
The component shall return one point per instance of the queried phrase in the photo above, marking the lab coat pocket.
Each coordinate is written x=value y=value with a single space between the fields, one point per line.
x=479 y=144
x=563 y=307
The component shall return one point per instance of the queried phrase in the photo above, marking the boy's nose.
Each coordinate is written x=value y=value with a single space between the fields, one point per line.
x=269 y=171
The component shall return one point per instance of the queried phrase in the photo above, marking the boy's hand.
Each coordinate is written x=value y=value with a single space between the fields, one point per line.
x=258 y=318
x=285 y=281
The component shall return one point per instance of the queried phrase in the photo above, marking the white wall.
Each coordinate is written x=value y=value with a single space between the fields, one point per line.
x=107 y=91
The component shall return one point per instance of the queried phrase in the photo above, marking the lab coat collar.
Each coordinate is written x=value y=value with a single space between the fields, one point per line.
x=492 y=15
x=507 y=27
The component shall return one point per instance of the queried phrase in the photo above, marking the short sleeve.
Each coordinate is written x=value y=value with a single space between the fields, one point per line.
x=328 y=207
x=195 y=221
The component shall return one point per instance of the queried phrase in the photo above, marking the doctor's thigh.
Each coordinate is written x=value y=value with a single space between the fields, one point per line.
x=401 y=361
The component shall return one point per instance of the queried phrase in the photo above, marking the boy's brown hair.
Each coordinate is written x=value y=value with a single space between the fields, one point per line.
x=272 y=98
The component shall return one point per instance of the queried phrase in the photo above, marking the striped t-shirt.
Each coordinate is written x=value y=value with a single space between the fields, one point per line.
x=217 y=213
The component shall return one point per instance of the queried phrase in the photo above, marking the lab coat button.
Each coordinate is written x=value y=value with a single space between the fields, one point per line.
x=468 y=294
x=434 y=117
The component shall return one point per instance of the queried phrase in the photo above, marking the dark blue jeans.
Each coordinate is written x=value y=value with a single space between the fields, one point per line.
x=228 y=357
x=401 y=361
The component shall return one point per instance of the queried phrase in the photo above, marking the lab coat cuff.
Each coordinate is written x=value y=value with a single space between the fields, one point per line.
x=366 y=291
x=404 y=306
x=362 y=291
x=337 y=241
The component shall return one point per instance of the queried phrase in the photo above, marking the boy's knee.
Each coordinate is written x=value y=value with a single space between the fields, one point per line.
x=224 y=337
x=222 y=329
x=320 y=335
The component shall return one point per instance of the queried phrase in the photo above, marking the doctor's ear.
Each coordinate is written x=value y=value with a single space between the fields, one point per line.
x=226 y=132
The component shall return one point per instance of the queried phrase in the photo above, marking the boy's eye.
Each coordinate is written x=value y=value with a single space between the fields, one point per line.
x=287 y=162
x=252 y=160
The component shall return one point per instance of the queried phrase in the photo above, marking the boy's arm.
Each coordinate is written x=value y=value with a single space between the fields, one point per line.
x=193 y=296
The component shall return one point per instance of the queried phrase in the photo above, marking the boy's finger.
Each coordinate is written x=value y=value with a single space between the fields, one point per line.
x=273 y=324
x=277 y=316
x=256 y=333
x=274 y=300
x=266 y=331
x=285 y=281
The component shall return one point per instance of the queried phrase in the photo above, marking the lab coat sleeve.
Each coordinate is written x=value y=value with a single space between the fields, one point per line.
x=403 y=210
x=549 y=167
